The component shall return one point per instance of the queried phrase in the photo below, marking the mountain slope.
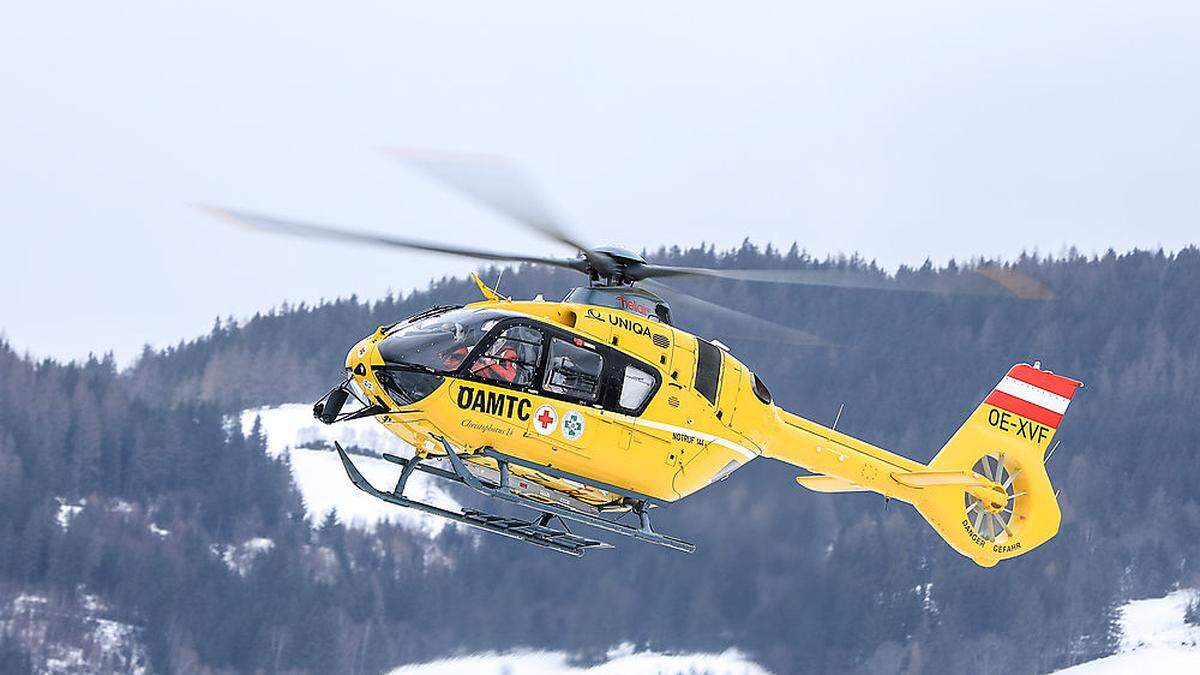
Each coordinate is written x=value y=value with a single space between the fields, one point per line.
x=796 y=581
x=1153 y=638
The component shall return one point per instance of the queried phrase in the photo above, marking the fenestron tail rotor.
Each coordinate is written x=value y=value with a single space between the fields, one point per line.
x=991 y=520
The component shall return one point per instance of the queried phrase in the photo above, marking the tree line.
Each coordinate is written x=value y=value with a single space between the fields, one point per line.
x=802 y=582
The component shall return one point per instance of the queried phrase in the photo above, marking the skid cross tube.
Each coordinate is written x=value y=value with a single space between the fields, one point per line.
x=536 y=533
x=503 y=491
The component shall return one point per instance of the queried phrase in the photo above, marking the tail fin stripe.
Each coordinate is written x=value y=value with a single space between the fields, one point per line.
x=1035 y=395
x=1024 y=408
x=1043 y=379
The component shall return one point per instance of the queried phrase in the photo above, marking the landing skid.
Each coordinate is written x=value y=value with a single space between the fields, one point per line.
x=537 y=531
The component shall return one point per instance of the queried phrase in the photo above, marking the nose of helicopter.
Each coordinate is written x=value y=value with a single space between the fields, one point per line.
x=364 y=353
x=381 y=375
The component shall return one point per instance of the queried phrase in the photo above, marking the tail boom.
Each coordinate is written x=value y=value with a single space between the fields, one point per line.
x=986 y=492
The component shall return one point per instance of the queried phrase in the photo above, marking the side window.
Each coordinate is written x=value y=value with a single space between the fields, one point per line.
x=573 y=371
x=512 y=358
x=708 y=370
x=636 y=385
x=761 y=391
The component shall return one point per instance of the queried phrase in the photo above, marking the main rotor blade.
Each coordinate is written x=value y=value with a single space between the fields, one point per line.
x=313 y=231
x=984 y=280
x=740 y=324
x=501 y=186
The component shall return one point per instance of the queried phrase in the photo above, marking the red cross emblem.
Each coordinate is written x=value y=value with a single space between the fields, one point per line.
x=545 y=420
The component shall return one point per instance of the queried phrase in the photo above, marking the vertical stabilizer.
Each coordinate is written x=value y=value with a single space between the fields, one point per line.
x=1003 y=442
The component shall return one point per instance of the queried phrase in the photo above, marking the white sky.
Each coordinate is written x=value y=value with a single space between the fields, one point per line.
x=901 y=130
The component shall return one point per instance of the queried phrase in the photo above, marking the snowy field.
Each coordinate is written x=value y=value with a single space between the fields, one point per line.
x=1154 y=640
x=319 y=477
x=621 y=661
x=293 y=426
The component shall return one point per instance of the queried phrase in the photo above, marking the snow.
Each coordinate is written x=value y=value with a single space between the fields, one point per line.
x=27 y=603
x=623 y=660
x=319 y=477
x=239 y=558
x=1155 y=661
x=323 y=485
x=67 y=511
x=1154 y=639
x=925 y=591
x=92 y=604
x=259 y=544
x=293 y=426
x=1158 y=622
x=67 y=638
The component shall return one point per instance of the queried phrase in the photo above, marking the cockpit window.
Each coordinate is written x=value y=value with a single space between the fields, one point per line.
x=439 y=343
x=512 y=358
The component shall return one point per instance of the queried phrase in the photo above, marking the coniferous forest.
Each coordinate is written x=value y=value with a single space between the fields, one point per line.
x=799 y=581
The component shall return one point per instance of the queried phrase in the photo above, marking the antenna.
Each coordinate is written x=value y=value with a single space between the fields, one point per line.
x=839 y=416
x=1051 y=453
x=499 y=277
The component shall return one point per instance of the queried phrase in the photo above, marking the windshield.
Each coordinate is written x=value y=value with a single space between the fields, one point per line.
x=440 y=343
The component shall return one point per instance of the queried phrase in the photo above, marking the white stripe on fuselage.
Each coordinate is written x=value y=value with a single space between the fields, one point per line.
x=725 y=443
x=1033 y=394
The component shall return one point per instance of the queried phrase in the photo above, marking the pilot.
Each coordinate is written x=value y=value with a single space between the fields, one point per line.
x=501 y=365
x=454 y=358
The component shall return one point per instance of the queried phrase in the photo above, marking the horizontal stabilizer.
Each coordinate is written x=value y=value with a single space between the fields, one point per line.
x=924 y=479
x=822 y=483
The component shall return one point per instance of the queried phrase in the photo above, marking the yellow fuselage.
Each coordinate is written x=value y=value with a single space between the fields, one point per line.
x=681 y=442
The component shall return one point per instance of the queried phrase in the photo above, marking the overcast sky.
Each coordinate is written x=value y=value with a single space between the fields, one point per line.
x=900 y=130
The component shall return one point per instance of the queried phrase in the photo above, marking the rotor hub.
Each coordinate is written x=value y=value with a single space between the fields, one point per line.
x=991 y=510
x=996 y=501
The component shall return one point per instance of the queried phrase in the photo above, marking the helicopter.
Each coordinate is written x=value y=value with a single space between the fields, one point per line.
x=597 y=409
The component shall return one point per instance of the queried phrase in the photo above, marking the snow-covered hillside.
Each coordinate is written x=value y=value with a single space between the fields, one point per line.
x=318 y=474
x=623 y=660
x=72 y=635
x=293 y=426
x=1154 y=639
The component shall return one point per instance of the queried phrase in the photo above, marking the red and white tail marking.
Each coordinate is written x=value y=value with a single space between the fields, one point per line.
x=1038 y=395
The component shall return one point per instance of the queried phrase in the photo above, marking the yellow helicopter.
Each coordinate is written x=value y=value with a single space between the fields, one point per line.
x=596 y=409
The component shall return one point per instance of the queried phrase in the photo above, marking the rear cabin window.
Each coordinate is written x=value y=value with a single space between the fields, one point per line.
x=636 y=385
x=708 y=370
x=573 y=371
